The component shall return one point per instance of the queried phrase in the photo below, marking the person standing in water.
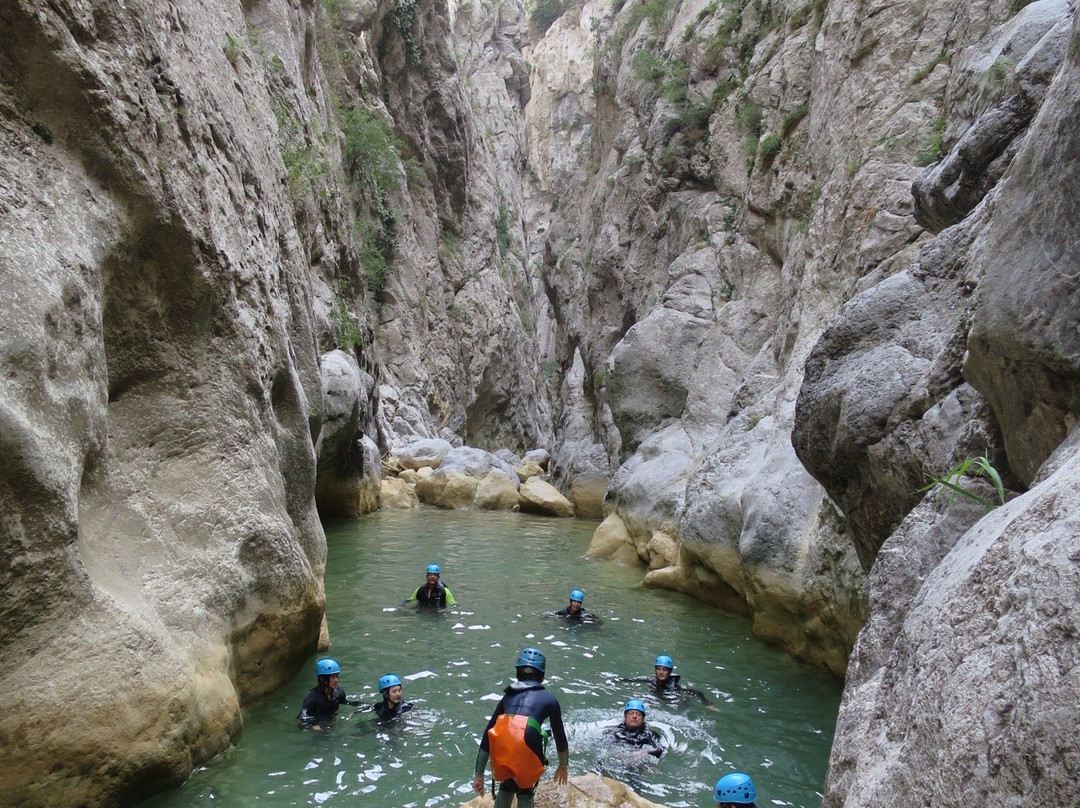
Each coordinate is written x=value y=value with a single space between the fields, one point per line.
x=322 y=701
x=735 y=790
x=432 y=594
x=513 y=739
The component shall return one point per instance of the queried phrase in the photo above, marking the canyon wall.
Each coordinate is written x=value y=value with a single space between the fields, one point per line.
x=760 y=270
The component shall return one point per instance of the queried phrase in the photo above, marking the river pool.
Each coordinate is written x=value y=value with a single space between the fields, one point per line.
x=769 y=715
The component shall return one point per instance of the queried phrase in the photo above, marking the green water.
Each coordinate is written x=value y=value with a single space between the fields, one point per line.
x=773 y=717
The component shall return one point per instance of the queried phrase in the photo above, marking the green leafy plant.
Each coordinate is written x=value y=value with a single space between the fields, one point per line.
x=234 y=48
x=502 y=228
x=346 y=329
x=972 y=467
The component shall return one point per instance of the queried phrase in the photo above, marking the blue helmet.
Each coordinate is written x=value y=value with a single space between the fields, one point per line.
x=578 y=595
x=634 y=704
x=735 y=787
x=387 y=681
x=433 y=569
x=664 y=661
x=531 y=658
x=327 y=667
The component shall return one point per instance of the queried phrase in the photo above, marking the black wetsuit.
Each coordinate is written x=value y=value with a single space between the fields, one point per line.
x=433 y=600
x=317 y=707
x=641 y=738
x=387 y=712
x=581 y=614
x=670 y=691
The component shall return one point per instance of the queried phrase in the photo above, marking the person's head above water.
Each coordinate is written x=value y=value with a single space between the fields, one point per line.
x=663 y=667
x=577 y=597
x=634 y=714
x=736 y=788
x=531 y=664
x=390 y=687
x=325 y=669
x=433 y=573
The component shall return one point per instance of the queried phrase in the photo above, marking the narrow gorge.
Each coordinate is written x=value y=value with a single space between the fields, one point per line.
x=763 y=279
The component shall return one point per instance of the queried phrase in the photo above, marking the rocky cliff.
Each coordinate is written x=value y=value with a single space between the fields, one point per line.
x=759 y=269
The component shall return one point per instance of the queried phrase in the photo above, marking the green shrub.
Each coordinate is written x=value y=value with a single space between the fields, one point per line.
x=346 y=329
x=545 y=12
x=770 y=146
x=791 y=120
x=648 y=67
x=502 y=228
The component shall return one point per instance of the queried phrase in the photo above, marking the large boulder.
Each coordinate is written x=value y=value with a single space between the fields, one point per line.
x=585 y=791
x=349 y=465
x=539 y=497
x=423 y=453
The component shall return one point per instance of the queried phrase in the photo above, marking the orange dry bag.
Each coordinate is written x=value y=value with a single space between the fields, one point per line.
x=511 y=757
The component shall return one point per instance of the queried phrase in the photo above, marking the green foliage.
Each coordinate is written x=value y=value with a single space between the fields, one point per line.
x=792 y=119
x=234 y=48
x=599 y=378
x=648 y=67
x=502 y=228
x=346 y=329
x=770 y=146
x=922 y=73
x=371 y=156
x=694 y=121
x=813 y=11
x=655 y=11
x=972 y=467
x=405 y=16
x=544 y=13
x=932 y=152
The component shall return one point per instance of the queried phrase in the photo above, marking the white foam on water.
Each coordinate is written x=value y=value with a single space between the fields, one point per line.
x=480 y=628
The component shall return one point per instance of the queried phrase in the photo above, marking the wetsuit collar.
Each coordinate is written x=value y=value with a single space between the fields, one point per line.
x=519 y=685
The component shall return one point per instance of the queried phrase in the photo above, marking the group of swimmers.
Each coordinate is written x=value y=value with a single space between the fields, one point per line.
x=514 y=738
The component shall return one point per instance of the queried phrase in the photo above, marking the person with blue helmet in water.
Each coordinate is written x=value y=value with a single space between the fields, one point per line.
x=322 y=701
x=432 y=594
x=574 y=610
x=391 y=706
x=665 y=684
x=514 y=737
x=632 y=731
x=735 y=789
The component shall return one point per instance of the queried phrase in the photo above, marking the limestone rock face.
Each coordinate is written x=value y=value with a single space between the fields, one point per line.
x=160 y=395
x=349 y=467
x=969 y=655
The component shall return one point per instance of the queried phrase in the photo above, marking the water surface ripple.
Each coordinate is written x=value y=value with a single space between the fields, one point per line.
x=770 y=715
